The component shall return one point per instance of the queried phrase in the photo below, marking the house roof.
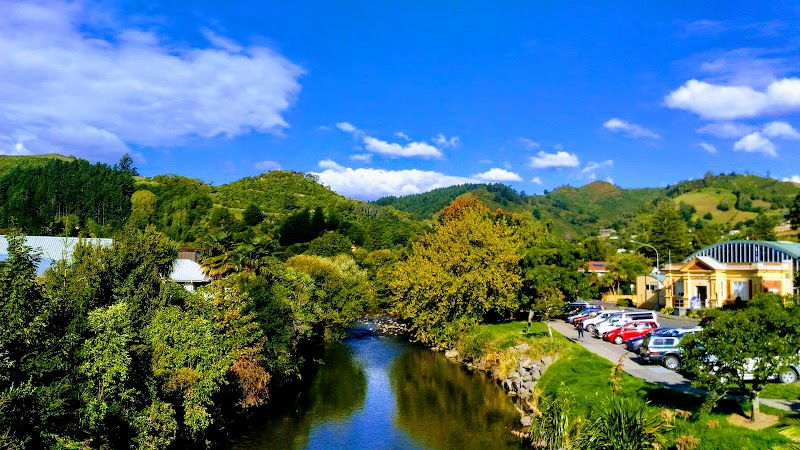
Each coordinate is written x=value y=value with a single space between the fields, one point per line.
x=789 y=248
x=597 y=266
x=188 y=271
x=51 y=248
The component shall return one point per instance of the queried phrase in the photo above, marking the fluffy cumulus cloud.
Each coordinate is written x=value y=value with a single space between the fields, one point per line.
x=629 y=129
x=793 y=179
x=266 y=166
x=370 y=184
x=497 y=174
x=69 y=85
x=593 y=166
x=755 y=143
x=346 y=127
x=402 y=135
x=780 y=130
x=544 y=160
x=392 y=149
x=725 y=102
x=708 y=147
x=536 y=180
x=362 y=157
x=728 y=130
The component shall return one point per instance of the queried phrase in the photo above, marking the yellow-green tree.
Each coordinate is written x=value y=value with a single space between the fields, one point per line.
x=461 y=271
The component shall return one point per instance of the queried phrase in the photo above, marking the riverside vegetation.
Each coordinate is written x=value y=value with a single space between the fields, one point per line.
x=103 y=351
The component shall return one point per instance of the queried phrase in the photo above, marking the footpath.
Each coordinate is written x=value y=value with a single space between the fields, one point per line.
x=651 y=373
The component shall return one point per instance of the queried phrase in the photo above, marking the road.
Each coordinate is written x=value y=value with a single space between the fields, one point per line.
x=651 y=373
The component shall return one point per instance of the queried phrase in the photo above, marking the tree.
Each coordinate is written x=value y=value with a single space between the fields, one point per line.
x=759 y=341
x=668 y=232
x=252 y=215
x=623 y=270
x=461 y=271
x=794 y=213
x=547 y=305
x=126 y=164
x=763 y=229
x=143 y=205
x=331 y=243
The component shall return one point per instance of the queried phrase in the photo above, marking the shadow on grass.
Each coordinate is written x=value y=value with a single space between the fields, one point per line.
x=668 y=398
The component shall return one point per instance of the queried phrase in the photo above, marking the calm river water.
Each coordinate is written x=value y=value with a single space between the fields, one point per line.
x=381 y=392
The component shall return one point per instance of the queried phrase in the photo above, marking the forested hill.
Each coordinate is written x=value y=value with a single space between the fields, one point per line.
x=427 y=204
x=729 y=201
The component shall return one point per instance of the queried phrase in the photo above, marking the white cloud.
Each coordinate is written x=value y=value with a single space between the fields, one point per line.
x=71 y=86
x=347 y=127
x=544 y=160
x=370 y=184
x=592 y=166
x=529 y=143
x=485 y=161
x=497 y=174
x=536 y=180
x=391 y=149
x=629 y=129
x=442 y=141
x=726 y=130
x=708 y=147
x=402 y=135
x=331 y=165
x=363 y=157
x=267 y=166
x=412 y=149
x=755 y=143
x=323 y=128
x=17 y=149
x=715 y=101
x=610 y=180
x=792 y=179
x=781 y=130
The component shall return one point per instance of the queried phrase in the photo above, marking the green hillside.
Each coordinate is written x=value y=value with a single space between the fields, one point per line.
x=10 y=162
x=427 y=204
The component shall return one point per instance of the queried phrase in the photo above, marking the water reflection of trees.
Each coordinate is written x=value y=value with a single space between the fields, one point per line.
x=442 y=406
x=338 y=390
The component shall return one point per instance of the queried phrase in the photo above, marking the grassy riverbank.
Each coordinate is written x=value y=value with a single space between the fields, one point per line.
x=584 y=380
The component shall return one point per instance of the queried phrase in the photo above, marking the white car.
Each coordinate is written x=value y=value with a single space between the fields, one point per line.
x=612 y=323
x=590 y=324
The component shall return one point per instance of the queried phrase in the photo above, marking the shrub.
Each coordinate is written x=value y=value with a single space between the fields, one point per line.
x=626 y=424
x=713 y=424
x=723 y=206
x=686 y=442
x=624 y=302
x=667 y=310
x=707 y=216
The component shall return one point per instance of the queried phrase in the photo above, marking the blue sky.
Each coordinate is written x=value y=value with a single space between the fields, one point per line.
x=378 y=98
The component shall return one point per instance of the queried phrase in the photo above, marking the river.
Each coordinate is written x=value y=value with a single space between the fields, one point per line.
x=382 y=392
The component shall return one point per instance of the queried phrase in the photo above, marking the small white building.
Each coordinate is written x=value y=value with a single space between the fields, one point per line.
x=189 y=274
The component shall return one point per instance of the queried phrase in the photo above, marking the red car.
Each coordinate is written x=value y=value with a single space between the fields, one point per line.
x=630 y=331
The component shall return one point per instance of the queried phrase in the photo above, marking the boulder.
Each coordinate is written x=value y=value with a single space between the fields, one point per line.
x=525 y=421
x=481 y=364
x=527 y=376
x=523 y=392
x=547 y=360
x=528 y=385
x=514 y=375
x=535 y=375
x=526 y=362
x=452 y=353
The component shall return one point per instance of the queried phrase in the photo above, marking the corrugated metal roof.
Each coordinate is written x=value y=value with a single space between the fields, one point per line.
x=51 y=248
x=186 y=270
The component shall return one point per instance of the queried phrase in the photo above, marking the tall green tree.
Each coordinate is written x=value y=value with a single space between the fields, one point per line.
x=667 y=231
x=763 y=229
x=463 y=270
x=742 y=349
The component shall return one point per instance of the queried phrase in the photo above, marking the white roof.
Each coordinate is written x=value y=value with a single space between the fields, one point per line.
x=186 y=271
x=711 y=262
x=51 y=248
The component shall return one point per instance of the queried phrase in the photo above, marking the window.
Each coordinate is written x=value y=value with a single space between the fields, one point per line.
x=739 y=289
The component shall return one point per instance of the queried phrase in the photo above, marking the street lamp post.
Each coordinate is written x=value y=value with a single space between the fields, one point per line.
x=658 y=268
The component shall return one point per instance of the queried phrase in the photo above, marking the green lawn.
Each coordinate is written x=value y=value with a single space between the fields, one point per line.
x=782 y=391
x=584 y=379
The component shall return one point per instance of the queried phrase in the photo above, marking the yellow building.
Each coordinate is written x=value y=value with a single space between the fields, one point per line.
x=731 y=271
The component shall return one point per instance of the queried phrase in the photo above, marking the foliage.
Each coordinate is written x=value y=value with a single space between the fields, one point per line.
x=626 y=424
x=762 y=229
x=668 y=232
x=91 y=198
x=623 y=270
x=459 y=273
x=794 y=213
x=759 y=341
x=331 y=243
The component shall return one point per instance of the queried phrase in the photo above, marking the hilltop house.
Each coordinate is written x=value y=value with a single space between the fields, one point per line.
x=185 y=272
x=598 y=268
x=731 y=271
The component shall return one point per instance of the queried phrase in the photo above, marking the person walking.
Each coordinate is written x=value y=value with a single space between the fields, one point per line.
x=580 y=330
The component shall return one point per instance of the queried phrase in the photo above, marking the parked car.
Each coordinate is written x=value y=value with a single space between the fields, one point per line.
x=663 y=347
x=590 y=324
x=633 y=344
x=787 y=377
x=629 y=331
x=613 y=322
x=580 y=319
x=585 y=312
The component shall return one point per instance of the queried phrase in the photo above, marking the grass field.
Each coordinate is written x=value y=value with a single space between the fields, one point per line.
x=584 y=379
x=706 y=200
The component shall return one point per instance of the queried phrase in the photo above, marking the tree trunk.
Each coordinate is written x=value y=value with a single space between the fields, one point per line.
x=755 y=404
x=550 y=331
